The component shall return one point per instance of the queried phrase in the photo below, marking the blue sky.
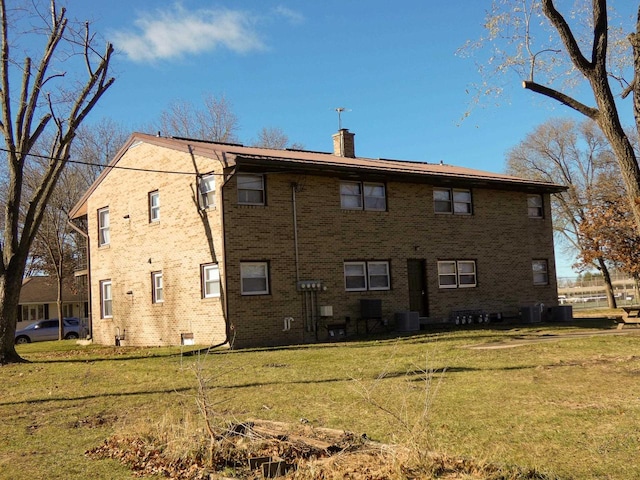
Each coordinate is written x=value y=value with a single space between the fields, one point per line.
x=290 y=63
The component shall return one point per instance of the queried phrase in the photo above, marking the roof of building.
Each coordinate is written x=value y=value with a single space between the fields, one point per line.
x=239 y=156
x=43 y=289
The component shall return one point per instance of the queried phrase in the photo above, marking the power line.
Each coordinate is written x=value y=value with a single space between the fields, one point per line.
x=115 y=167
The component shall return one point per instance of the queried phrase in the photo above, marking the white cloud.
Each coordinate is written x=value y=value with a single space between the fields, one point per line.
x=291 y=15
x=174 y=33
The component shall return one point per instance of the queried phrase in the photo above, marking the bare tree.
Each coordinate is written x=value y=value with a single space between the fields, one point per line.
x=274 y=137
x=577 y=155
x=45 y=101
x=521 y=43
x=215 y=121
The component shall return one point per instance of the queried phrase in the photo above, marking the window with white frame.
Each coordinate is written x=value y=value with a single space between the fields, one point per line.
x=154 y=206
x=254 y=277
x=157 y=287
x=250 y=189
x=104 y=237
x=210 y=280
x=452 y=201
x=378 y=275
x=540 y=272
x=363 y=196
x=534 y=206
x=355 y=276
x=207 y=188
x=106 y=299
x=466 y=273
x=457 y=274
x=366 y=275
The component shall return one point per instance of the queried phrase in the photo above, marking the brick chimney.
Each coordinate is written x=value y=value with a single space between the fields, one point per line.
x=343 y=144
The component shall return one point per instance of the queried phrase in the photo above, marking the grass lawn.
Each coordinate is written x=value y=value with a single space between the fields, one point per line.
x=563 y=399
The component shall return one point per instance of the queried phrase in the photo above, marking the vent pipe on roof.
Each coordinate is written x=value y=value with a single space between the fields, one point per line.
x=343 y=144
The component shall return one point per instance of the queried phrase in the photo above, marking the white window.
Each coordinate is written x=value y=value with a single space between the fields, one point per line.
x=157 y=287
x=534 y=206
x=466 y=273
x=361 y=276
x=351 y=195
x=106 y=310
x=250 y=189
x=355 y=276
x=363 y=195
x=457 y=274
x=154 y=206
x=254 y=278
x=456 y=201
x=540 y=272
x=104 y=236
x=210 y=281
x=447 y=274
x=207 y=191
x=378 y=275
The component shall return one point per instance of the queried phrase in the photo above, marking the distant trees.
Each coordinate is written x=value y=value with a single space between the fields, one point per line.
x=47 y=103
x=608 y=234
x=577 y=155
x=274 y=137
x=57 y=250
x=213 y=121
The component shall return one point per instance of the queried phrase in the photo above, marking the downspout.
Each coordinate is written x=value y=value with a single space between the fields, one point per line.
x=89 y=312
x=294 y=186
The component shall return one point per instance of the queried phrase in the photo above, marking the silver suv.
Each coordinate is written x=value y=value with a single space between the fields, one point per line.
x=48 y=330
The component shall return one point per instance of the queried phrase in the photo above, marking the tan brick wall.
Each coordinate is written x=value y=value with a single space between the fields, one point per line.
x=499 y=236
x=177 y=245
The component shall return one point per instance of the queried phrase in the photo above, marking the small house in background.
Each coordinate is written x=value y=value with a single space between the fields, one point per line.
x=207 y=243
x=38 y=301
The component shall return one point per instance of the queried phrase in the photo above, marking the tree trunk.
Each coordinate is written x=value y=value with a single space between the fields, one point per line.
x=10 y=285
x=59 y=280
x=611 y=299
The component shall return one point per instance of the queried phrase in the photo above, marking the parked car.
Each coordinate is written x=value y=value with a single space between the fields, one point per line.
x=48 y=330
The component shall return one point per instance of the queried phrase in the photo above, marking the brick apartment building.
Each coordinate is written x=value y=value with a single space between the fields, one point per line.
x=203 y=242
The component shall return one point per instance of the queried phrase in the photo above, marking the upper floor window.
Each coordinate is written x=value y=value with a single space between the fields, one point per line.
x=104 y=236
x=250 y=189
x=154 y=206
x=157 y=287
x=254 y=278
x=540 y=272
x=207 y=191
x=363 y=195
x=452 y=200
x=210 y=281
x=534 y=206
x=106 y=305
x=457 y=274
x=371 y=275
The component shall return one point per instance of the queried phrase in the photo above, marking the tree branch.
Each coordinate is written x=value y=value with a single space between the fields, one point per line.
x=566 y=35
x=592 y=113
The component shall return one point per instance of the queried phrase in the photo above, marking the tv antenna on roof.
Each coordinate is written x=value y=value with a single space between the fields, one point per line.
x=340 y=110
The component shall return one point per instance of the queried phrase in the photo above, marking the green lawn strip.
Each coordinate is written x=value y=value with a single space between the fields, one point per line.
x=567 y=406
